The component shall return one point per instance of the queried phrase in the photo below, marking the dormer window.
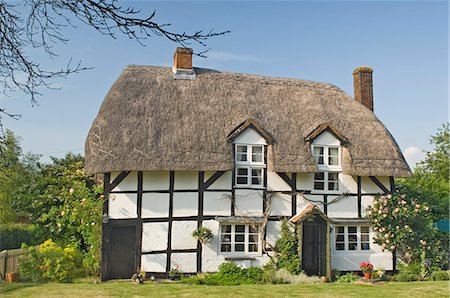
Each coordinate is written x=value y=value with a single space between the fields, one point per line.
x=326 y=156
x=249 y=165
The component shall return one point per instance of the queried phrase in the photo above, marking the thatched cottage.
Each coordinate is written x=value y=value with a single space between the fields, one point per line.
x=183 y=147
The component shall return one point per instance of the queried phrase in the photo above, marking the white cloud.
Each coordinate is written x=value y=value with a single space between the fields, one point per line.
x=413 y=155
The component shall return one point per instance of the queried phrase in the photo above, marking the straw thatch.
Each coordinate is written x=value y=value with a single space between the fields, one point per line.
x=150 y=121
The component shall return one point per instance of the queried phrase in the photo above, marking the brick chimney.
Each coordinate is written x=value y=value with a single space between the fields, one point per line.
x=182 y=64
x=362 y=82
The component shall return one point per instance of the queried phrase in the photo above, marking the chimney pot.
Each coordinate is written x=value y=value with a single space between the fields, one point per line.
x=363 y=86
x=182 y=64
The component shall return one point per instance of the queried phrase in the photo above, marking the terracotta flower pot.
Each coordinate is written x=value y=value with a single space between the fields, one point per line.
x=367 y=275
x=12 y=276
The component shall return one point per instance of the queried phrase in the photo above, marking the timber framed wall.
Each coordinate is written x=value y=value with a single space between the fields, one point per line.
x=182 y=201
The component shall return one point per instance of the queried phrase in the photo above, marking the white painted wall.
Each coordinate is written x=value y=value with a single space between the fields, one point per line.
x=217 y=203
x=186 y=180
x=273 y=230
x=326 y=138
x=155 y=181
x=250 y=136
x=346 y=207
x=154 y=263
x=280 y=204
x=122 y=206
x=155 y=205
x=154 y=236
x=248 y=202
x=185 y=262
x=185 y=204
x=224 y=182
x=129 y=183
x=369 y=186
x=182 y=234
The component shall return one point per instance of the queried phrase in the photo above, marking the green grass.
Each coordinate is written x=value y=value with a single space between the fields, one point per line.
x=125 y=289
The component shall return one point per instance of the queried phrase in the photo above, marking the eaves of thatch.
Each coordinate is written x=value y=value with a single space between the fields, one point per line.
x=149 y=121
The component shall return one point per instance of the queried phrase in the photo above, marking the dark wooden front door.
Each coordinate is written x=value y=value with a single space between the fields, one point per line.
x=312 y=248
x=122 y=256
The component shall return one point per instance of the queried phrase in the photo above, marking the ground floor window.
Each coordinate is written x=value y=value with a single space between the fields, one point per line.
x=239 y=238
x=351 y=238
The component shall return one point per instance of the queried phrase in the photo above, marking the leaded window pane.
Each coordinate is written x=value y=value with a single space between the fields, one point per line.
x=241 y=153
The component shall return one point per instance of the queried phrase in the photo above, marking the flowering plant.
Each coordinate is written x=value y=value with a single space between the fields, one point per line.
x=366 y=267
x=399 y=222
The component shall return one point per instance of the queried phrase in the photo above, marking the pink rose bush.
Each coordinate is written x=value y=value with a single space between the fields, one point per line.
x=402 y=224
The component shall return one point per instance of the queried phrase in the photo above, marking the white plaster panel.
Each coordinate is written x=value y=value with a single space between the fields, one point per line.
x=216 y=203
x=366 y=201
x=346 y=207
x=326 y=138
x=305 y=181
x=273 y=230
x=301 y=203
x=154 y=263
x=210 y=257
x=155 y=181
x=315 y=199
x=129 y=183
x=122 y=205
x=250 y=136
x=154 y=236
x=280 y=204
x=186 y=180
x=276 y=183
x=186 y=262
x=368 y=186
x=155 y=205
x=248 y=202
x=347 y=183
x=185 y=203
x=349 y=261
x=224 y=182
x=182 y=234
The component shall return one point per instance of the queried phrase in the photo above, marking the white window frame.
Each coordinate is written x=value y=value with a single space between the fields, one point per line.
x=246 y=251
x=249 y=165
x=358 y=239
x=326 y=166
x=326 y=189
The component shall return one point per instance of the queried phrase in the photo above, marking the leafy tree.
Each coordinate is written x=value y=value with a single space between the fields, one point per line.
x=68 y=208
x=431 y=176
x=17 y=176
x=38 y=25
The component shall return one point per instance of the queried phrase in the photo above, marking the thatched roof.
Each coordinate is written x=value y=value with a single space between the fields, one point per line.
x=150 y=121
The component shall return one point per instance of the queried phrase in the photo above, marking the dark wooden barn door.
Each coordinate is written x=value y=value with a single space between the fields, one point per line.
x=122 y=260
x=311 y=252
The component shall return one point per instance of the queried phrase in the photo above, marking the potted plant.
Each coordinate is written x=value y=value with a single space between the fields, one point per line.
x=11 y=276
x=366 y=268
x=174 y=273
x=202 y=234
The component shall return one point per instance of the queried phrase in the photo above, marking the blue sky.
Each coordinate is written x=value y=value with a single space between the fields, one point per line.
x=405 y=42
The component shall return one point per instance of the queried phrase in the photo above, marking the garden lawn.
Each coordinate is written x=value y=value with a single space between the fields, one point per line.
x=125 y=289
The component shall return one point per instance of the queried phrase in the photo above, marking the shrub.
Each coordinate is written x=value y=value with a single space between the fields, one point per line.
x=440 y=275
x=229 y=274
x=286 y=277
x=347 y=278
x=50 y=262
x=286 y=254
x=406 y=276
x=13 y=235
x=202 y=234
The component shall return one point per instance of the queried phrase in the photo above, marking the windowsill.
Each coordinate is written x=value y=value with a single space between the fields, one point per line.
x=240 y=258
x=333 y=192
x=256 y=187
x=240 y=255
